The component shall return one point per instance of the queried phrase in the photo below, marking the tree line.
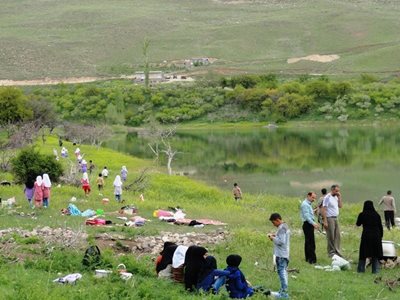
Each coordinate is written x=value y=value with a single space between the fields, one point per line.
x=228 y=99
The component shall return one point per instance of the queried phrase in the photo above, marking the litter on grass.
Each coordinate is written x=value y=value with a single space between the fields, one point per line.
x=68 y=279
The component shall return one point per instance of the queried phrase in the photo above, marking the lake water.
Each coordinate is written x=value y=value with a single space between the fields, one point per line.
x=365 y=161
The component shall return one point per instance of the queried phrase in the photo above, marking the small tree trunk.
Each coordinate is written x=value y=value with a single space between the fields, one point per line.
x=170 y=157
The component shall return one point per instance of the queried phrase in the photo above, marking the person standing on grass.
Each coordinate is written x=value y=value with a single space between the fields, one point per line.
x=84 y=166
x=118 y=188
x=46 y=190
x=100 y=182
x=124 y=173
x=389 y=209
x=91 y=166
x=281 y=240
x=104 y=173
x=237 y=192
x=318 y=209
x=330 y=211
x=38 y=192
x=307 y=216
x=85 y=184
x=29 y=190
x=371 y=238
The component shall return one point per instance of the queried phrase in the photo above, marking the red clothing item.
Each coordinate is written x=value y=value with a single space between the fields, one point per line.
x=85 y=185
x=38 y=193
x=46 y=192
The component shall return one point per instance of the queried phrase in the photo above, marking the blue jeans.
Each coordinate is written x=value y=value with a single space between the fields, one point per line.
x=281 y=266
x=45 y=202
x=218 y=283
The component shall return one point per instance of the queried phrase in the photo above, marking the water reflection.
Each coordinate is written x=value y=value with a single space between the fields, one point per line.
x=285 y=161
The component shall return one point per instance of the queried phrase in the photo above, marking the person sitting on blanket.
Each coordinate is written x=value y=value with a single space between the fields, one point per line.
x=210 y=278
x=164 y=261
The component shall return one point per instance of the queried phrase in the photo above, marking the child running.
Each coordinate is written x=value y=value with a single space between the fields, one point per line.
x=100 y=182
x=85 y=184
x=118 y=188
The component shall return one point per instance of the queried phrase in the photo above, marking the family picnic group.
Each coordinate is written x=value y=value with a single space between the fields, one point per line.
x=37 y=192
x=198 y=270
x=328 y=208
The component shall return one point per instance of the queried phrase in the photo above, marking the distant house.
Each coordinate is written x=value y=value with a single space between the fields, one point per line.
x=195 y=62
x=154 y=77
x=202 y=61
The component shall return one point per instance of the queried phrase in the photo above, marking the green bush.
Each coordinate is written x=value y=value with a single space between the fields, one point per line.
x=30 y=163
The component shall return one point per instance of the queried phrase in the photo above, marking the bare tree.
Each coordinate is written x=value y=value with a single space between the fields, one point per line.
x=140 y=183
x=91 y=134
x=19 y=135
x=96 y=135
x=161 y=143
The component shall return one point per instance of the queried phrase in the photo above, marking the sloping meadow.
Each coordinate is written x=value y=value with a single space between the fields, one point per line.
x=28 y=264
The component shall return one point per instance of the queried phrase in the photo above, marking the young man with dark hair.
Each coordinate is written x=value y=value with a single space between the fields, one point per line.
x=281 y=240
x=389 y=209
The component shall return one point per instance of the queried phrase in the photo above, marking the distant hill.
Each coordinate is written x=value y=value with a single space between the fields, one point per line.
x=43 y=38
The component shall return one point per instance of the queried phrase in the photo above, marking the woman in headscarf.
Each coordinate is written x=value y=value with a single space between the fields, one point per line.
x=118 y=188
x=46 y=190
x=163 y=267
x=124 y=173
x=77 y=152
x=371 y=238
x=38 y=191
x=84 y=166
x=194 y=263
x=85 y=183
x=64 y=152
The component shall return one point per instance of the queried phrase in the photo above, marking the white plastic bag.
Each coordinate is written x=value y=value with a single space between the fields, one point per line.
x=340 y=262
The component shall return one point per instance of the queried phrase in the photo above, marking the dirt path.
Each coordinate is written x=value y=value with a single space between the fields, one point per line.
x=50 y=81
x=74 y=80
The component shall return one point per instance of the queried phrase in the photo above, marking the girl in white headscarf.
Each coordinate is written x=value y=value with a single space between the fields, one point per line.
x=118 y=188
x=85 y=183
x=124 y=173
x=38 y=191
x=46 y=190
x=64 y=152
x=77 y=152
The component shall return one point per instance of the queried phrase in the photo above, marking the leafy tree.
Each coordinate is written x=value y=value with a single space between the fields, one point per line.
x=319 y=90
x=13 y=106
x=30 y=163
x=112 y=114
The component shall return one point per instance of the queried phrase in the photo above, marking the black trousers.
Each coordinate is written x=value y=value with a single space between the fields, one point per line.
x=309 y=243
x=389 y=218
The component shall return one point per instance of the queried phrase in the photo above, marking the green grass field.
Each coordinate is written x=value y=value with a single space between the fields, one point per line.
x=101 y=38
x=31 y=276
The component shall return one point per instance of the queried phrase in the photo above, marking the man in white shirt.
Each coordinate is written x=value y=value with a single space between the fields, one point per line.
x=330 y=212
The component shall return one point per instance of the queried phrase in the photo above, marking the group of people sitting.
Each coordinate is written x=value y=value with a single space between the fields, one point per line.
x=198 y=271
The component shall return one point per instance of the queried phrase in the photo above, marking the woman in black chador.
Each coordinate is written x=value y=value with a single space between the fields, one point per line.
x=371 y=238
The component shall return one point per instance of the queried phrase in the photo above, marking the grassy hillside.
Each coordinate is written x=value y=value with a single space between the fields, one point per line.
x=98 y=37
x=39 y=263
